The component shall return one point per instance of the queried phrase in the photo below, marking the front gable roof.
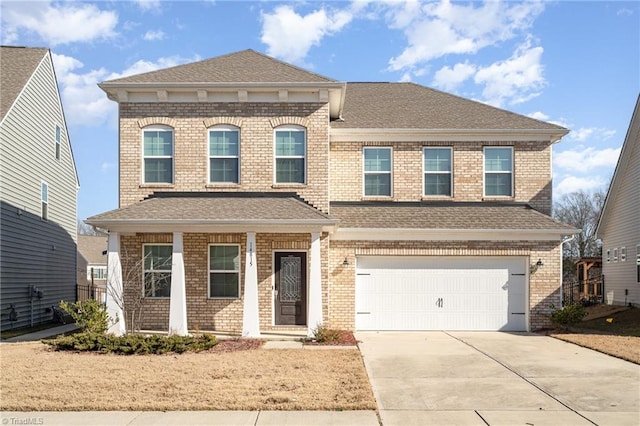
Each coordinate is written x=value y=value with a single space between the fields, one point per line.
x=630 y=145
x=18 y=65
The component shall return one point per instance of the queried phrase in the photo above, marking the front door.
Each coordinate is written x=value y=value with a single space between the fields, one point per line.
x=291 y=288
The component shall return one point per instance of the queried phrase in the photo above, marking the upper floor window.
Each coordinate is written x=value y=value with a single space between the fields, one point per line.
x=224 y=150
x=157 y=270
x=58 y=136
x=437 y=172
x=224 y=271
x=158 y=154
x=44 y=199
x=377 y=172
x=290 y=153
x=498 y=172
x=623 y=254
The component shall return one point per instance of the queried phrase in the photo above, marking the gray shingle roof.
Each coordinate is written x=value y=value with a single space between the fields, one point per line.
x=215 y=208
x=91 y=248
x=247 y=66
x=451 y=216
x=411 y=106
x=17 y=64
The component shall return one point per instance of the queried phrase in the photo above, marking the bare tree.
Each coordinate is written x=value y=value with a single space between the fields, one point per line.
x=84 y=229
x=581 y=209
x=136 y=287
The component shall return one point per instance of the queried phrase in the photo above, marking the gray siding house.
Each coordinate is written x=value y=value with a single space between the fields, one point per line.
x=38 y=191
x=619 y=225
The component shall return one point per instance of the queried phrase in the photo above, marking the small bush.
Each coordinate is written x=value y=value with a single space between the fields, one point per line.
x=89 y=315
x=132 y=344
x=323 y=334
x=568 y=315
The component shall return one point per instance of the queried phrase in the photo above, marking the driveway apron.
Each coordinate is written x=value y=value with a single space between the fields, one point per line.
x=480 y=378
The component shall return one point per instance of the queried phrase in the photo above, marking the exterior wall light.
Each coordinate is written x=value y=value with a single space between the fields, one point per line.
x=345 y=262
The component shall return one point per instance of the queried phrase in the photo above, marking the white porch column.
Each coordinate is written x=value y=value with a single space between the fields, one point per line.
x=178 y=301
x=315 y=286
x=115 y=288
x=250 y=318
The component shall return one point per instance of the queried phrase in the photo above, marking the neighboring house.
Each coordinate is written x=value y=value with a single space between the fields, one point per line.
x=263 y=197
x=619 y=225
x=92 y=266
x=38 y=190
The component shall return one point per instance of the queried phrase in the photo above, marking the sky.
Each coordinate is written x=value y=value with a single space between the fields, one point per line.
x=573 y=63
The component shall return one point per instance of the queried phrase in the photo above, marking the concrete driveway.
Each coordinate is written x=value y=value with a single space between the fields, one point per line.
x=487 y=378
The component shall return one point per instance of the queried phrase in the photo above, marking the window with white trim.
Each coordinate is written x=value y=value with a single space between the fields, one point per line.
x=44 y=201
x=623 y=254
x=437 y=171
x=99 y=272
x=157 y=270
x=608 y=255
x=224 y=154
x=615 y=254
x=290 y=154
x=224 y=271
x=378 y=176
x=58 y=137
x=157 y=153
x=498 y=171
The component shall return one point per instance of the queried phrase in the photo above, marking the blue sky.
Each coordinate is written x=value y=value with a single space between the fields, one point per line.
x=573 y=63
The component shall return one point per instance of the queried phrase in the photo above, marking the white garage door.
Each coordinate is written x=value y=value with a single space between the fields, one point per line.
x=441 y=293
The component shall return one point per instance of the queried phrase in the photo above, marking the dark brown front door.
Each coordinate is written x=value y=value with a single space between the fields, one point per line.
x=291 y=288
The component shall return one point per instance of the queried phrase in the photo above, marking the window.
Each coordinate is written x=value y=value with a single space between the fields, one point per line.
x=224 y=160
x=44 y=198
x=58 y=130
x=615 y=254
x=158 y=155
x=498 y=172
x=224 y=271
x=437 y=172
x=99 y=272
x=638 y=263
x=608 y=256
x=157 y=270
x=377 y=172
x=291 y=151
x=623 y=254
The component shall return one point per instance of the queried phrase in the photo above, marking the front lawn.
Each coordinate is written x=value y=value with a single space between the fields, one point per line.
x=35 y=378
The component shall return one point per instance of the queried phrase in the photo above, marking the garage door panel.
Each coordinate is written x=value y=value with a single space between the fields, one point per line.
x=409 y=293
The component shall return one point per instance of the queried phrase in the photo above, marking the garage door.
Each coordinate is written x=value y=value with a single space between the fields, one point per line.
x=441 y=293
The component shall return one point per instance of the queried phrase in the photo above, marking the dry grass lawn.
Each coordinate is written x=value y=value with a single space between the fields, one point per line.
x=34 y=378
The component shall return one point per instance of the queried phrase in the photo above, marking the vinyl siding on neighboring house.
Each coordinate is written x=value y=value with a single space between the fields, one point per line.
x=35 y=251
x=621 y=227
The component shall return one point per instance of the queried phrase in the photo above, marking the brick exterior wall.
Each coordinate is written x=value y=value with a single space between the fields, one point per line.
x=532 y=171
x=204 y=313
x=256 y=121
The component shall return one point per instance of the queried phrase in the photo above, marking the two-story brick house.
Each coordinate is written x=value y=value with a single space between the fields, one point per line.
x=256 y=196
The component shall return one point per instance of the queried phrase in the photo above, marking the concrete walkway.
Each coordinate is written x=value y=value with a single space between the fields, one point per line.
x=42 y=334
x=478 y=378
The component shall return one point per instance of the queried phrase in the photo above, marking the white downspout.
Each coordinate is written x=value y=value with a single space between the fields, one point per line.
x=566 y=240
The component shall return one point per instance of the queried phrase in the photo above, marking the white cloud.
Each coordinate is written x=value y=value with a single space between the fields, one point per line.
x=594 y=133
x=153 y=35
x=149 y=5
x=624 y=12
x=57 y=23
x=586 y=159
x=289 y=36
x=570 y=184
x=438 y=29
x=449 y=79
x=539 y=115
x=514 y=80
x=106 y=167
x=84 y=102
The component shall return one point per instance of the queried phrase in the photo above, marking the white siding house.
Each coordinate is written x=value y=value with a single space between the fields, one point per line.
x=619 y=226
x=38 y=191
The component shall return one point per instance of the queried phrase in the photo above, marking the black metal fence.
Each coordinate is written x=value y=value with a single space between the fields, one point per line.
x=587 y=292
x=91 y=292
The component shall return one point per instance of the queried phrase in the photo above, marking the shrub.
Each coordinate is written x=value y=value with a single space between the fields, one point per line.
x=323 y=334
x=569 y=315
x=130 y=344
x=89 y=315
